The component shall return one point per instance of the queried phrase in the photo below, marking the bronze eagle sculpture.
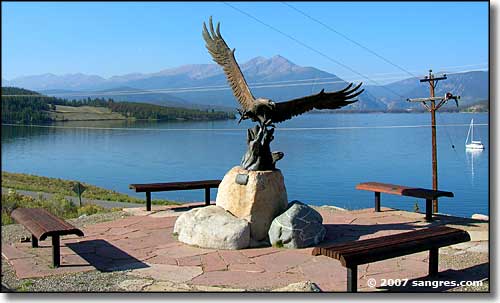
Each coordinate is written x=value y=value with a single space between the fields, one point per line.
x=263 y=110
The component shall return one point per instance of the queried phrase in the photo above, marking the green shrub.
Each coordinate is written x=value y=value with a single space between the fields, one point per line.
x=57 y=205
x=278 y=244
x=90 y=209
x=65 y=187
x=6 y=219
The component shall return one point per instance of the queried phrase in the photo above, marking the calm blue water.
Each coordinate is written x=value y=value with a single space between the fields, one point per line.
x=321 y=166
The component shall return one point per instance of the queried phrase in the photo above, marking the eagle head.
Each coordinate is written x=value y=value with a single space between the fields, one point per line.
x=264 y=102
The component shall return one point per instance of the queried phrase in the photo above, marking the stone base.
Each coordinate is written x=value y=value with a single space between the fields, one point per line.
x=299 y=226
x=259 y=201
x=212 y=227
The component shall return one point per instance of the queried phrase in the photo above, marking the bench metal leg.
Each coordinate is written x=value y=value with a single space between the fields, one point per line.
x=148 y=201
x=433 y=262
x=207 y=196
x=352 y=278
x=56 y=251
x=34 y=241
x=428 y=210
x=377 y=201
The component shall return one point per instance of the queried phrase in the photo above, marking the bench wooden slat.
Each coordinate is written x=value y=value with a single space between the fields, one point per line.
x=375 y=242
x=42 y=223
x=154 y=187
x=372 y=250
x=360 y=252
x=402 y=249
x=403 y=190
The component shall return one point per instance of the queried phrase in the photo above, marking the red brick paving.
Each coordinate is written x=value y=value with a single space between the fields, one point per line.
x=137 y=243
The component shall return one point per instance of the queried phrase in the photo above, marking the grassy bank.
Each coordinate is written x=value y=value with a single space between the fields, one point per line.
x=64 y=188
x=57 y=205
x=83 y=113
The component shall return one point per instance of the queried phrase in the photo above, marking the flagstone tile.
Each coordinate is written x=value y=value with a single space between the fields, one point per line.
x=213 y=262
x=168 y=272
x=189 y=261
x=182 y=251
x=233 y=256
x=246 y=267
x=281 y=261
x=326 y=272
x=248 y=280
x=10 y=252
x=255 y=252
x=162 y=259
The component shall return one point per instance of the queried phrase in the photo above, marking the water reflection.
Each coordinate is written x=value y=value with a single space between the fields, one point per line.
x=13 y=133
x=471 y=156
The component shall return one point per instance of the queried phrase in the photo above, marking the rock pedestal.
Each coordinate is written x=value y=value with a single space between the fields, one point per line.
x=298 y=227
x=212 y=227
x=259 y=201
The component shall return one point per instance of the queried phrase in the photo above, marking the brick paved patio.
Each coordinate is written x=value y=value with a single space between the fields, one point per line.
x=143 y=246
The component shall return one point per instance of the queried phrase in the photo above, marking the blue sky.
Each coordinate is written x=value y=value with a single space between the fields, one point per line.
x=117 y=38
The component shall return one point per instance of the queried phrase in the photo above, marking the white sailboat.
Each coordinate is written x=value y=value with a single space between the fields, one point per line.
x=472 y=144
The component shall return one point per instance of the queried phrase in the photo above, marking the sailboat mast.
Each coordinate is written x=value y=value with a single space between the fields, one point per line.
x=468 y=133
x=472 y=131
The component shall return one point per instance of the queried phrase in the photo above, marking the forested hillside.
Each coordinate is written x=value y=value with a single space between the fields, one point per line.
x=25 y=106
x=157 y=112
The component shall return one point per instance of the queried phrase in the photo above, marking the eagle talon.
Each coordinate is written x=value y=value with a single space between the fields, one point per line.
x=243 y=115
x=269 y=123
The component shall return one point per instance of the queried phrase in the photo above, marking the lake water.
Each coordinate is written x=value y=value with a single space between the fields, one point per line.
x=326 y=155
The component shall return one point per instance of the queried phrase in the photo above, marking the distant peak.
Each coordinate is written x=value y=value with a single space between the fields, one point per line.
x=278 y=57
x=274 y=60
x=256 y=60
x=282 y=60
x=45 y=75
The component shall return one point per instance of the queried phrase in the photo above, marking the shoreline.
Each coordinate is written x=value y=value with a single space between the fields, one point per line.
x=197 y=120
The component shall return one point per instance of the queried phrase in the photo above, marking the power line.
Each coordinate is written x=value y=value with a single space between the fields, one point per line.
x=310 y=48
x=301 y=82
x=269 y=82
x=349 y=39
x=185 y=90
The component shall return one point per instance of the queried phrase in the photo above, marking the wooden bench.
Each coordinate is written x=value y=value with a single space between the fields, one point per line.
x=361 y=252
x=42 y=224
x=427 y=194
x=155 y=187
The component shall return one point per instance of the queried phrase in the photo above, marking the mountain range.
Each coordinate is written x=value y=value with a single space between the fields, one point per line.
x=277 y=78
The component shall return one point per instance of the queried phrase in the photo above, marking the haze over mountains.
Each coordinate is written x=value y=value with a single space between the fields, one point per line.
x=205 y=86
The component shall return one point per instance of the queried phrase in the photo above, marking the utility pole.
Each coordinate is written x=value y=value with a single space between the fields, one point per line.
x=432 y=108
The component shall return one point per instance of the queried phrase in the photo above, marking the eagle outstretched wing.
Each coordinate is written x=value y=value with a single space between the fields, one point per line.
x=288 y=109
x=221 y=54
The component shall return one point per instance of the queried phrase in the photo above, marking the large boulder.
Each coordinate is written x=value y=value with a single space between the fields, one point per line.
x=212 y=227
x=298 y=227
x=259 y=201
